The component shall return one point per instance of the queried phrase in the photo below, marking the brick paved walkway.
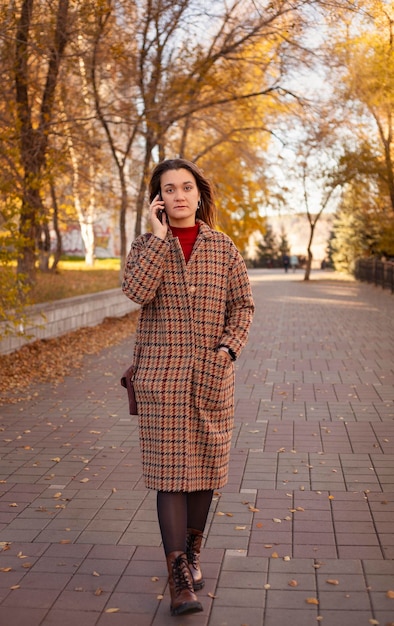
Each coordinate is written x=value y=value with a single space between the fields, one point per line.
x=302 y=533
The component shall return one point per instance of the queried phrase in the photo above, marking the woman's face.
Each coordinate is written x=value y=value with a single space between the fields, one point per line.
x=181 y=195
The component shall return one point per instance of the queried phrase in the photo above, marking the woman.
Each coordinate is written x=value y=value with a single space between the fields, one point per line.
x=196 y=309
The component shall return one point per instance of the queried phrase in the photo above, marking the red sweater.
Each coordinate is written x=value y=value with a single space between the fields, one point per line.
x=187 y=238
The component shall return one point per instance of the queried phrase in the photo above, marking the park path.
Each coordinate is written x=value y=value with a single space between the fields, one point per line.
x=302 y=533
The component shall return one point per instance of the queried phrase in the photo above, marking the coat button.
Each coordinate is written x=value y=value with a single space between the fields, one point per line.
x=192 y=289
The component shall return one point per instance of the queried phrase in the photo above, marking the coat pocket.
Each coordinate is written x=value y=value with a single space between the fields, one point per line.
x=213 y=382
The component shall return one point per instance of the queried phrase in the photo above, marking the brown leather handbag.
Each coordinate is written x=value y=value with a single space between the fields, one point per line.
x=127 y=382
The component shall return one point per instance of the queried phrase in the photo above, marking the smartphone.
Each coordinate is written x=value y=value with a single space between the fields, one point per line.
x=162 y=211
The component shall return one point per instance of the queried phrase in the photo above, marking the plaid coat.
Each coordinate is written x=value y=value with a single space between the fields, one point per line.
x=184 y=390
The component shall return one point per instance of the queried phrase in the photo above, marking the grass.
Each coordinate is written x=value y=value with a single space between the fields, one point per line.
x=74 y=278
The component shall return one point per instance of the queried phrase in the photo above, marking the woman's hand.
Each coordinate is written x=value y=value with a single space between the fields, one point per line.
x=223 y=354
x=159 y=228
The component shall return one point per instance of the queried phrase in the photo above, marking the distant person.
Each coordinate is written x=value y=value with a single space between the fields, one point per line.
x=286 y=262
x=196 y=310
x=294 y=262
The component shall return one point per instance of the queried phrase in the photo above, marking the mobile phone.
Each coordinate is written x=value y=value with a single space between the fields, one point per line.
x=160 y=213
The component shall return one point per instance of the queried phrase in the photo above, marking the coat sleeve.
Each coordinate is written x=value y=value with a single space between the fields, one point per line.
x=239 y=308
x=144 y=268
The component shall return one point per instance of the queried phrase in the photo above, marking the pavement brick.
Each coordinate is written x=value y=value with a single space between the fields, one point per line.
x=308 y=511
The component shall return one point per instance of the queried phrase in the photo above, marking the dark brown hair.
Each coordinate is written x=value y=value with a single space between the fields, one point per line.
x=207 y=210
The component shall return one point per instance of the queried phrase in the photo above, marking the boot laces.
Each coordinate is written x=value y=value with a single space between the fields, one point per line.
x=181 y=574
x=190 y=550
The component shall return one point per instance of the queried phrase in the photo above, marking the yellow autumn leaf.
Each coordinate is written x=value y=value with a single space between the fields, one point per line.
x=111 y=610
x=5 y=569
x=98 y=591
x=332 y=581
x=292 y=583
x=274 y=555
x=312 y=601
x=240 y=528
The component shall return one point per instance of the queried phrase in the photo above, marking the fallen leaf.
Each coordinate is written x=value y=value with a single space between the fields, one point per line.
x=84 y=480
x=240 y=528
x=390 y=594
x=374 y=622
x=57 y=459
x=15 y=587
x=154 y=579
x=259 y=525
x=57 y=495
x=95 y=574
x=27 y=565
x=211 y=595
x=276 y=520
x=64 y=541
x=13 y=504
x=293 y=583
x=332 y=581
x=274 y=555
x=312 y=601
x=111 y=610
x=253 y=509
x=267 y=586
x=159 y=597
x=98 y=591
x=331 y=497
x=5 y=569
x=287 y=558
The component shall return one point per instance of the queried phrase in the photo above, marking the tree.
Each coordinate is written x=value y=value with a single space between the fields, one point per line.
x=33 y=126
x=355 y=230
x=267 y=249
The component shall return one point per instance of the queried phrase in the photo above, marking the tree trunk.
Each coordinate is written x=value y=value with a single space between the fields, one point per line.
x=59 y=246
x=143 y=186
x=309 y=250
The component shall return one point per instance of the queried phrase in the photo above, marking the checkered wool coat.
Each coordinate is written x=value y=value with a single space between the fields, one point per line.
x=184 y=391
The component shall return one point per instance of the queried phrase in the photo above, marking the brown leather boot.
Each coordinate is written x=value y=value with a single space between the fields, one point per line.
x=193 y=549
x=183 y=598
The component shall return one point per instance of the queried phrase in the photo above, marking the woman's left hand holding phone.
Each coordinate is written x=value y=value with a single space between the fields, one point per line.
x=158 y=217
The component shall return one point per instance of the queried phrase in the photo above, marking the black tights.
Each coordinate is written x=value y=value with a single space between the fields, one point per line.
x=177 y=511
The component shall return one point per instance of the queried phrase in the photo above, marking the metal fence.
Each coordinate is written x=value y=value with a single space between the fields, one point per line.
x=374 y=271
